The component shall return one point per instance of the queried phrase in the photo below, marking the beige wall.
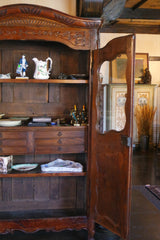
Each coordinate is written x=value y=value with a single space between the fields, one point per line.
x=145 y=43
x=67 y=6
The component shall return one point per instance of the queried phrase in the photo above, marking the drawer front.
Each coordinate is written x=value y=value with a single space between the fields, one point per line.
x=13 y=150
x=59 y=149
x=55 y=134
x=15 y=143
x=73 y=141
x=59 y=141
x=43 y=142
x=13 y=135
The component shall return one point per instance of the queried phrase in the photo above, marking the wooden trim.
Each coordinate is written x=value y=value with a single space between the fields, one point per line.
x=48 y=13
x=32 y=22
x=65 y=81
x=142 y=13
x=33 y=225
x=40 y=174
x=131 y=28
x=152 y=58
x=140 y=3
x=37 y=129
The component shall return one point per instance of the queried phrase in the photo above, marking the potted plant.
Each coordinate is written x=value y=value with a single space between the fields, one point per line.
x=144 y=115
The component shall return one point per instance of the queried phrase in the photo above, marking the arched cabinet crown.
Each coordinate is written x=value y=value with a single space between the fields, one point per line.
x=33 y=22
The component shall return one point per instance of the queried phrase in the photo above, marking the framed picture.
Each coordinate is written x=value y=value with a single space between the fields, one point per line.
x=141 y=63
x=118 y=67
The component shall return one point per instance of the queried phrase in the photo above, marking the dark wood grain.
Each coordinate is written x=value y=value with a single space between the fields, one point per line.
x=64 y=81
x=111 y=159
x=54 y=26
x=41 y=32
x=44 y=32
x=29 y=174
x=50 y=224
x=42 y=140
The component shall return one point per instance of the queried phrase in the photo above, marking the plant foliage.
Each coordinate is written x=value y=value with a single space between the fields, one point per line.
x=144 y=115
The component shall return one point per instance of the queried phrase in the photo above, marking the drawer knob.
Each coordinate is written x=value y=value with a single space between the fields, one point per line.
x=59 y=134
x=59 y=149
x=60 y=141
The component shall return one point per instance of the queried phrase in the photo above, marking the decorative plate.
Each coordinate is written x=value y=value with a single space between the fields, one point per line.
x=24 y=167
x=9 y=122
x=19 y=118
x=1 y=115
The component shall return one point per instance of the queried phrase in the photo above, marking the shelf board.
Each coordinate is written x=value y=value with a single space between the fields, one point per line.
x=43 y=214
x=66 y=81
x=42 y=128
x=15 y=174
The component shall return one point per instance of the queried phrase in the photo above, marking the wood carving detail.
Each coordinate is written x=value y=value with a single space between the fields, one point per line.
x=50 y=224
x=62 y=18
x=49 y=14
x=75 y=38
x=30 y=22
x=3 y=12
x=29 y=10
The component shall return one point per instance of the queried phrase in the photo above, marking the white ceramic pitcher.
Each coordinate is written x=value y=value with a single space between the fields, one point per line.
x=42 y=70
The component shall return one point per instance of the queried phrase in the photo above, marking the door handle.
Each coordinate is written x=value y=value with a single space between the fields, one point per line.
x=126 y=141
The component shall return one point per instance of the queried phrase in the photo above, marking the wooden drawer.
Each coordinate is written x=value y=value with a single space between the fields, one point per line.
x=59 y=141
x=14 y=143
x=45 y=149
x=65 y=141
x=13 y=135
x=43 y=141
x=61 y=133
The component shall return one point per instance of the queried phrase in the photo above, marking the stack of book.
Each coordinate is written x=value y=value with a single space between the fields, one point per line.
x=40 y=121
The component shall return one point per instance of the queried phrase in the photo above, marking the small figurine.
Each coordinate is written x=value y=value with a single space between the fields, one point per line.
x=146 y=77
x=22 y=66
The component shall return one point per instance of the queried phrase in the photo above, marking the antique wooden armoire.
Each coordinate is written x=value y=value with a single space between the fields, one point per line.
x=34 y=200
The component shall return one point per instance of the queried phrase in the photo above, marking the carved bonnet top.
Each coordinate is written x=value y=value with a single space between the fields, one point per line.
x=40 y=11
x=30 y=22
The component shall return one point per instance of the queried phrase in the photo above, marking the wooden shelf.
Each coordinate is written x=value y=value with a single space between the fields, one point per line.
x=15 y=174
x=48 y=128
x=65 y=81
x=43 y=214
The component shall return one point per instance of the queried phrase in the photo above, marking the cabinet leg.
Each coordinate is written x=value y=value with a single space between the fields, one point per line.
x=91 y=238
x=91 y=230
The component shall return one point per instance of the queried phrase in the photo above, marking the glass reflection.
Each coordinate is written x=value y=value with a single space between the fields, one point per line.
x=111 y=97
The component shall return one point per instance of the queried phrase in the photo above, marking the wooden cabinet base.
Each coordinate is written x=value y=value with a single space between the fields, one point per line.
x=49 y=224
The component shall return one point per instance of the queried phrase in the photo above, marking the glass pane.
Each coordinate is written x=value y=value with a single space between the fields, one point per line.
x=118 y=69
x=111 y=97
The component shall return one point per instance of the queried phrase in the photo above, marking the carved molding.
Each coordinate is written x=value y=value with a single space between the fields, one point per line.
x=31 y=21
x=28 y=10
x=50 y=224
x=27 y=22
x=3 y=12
x=71 y=38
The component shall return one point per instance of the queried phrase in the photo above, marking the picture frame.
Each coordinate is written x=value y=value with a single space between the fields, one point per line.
x=118 y=67
x=141 y=63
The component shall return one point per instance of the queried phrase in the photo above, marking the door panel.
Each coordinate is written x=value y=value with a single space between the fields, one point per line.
x=111 y=149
